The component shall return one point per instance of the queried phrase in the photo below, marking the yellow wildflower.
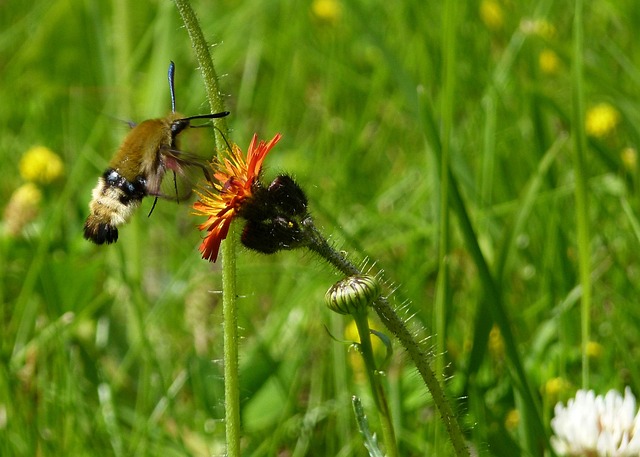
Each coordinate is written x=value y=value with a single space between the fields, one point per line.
x=351 y=334
x=629 y=157
x=22 y=208
x=41 y=165
x=554 y=388
x=602 y=119
x=594 y=350
x=355 y=358
x=539 y=27
x=327 y=10
x=496 y=343
x=512 y=420
x=491 y=14
x=548 y=61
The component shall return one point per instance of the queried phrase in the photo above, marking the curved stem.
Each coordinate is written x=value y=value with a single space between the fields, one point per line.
x=396 y=326
x=318 y=244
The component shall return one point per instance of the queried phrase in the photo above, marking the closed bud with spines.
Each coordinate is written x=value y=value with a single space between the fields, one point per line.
x=353 y=294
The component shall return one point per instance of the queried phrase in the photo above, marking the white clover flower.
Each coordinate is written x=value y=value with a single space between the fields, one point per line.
x=600 y=426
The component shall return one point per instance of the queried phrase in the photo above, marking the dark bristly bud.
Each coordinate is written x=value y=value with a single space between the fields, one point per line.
x=283 y=198
x=275 y=216
x=353 y=294
x=257 y=208
x=257 y=236
x=272 y=235
x=285 y=193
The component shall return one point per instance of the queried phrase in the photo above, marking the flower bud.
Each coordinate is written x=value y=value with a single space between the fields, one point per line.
x=352 y=294
x=271 y=236
x=274 y=216
x=287 y=196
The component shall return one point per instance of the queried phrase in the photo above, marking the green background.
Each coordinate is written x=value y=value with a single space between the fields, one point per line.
x=358 y=97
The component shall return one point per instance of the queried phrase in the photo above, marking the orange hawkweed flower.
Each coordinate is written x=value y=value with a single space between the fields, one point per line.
x=231 y=187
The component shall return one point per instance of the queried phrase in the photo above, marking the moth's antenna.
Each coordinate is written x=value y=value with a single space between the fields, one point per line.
x=172 y=71
x=207 y=116
x=153 y=207
x=224 y=138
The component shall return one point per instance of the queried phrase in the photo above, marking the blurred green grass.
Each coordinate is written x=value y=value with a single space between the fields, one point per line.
x=136 y=368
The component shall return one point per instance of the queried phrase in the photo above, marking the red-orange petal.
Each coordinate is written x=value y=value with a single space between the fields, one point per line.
x=233 y=179
x=210 y=246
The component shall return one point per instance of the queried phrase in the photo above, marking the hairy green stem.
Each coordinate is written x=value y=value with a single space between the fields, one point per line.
x=229 y=295
x=230 y=330
x=318 y=244
x=396 y=326
x=209 y=75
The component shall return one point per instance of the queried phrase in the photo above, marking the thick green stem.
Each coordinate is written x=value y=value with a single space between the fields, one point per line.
x=230 y=326
x=442 y=284
x=318 y=244
x=229 y=295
